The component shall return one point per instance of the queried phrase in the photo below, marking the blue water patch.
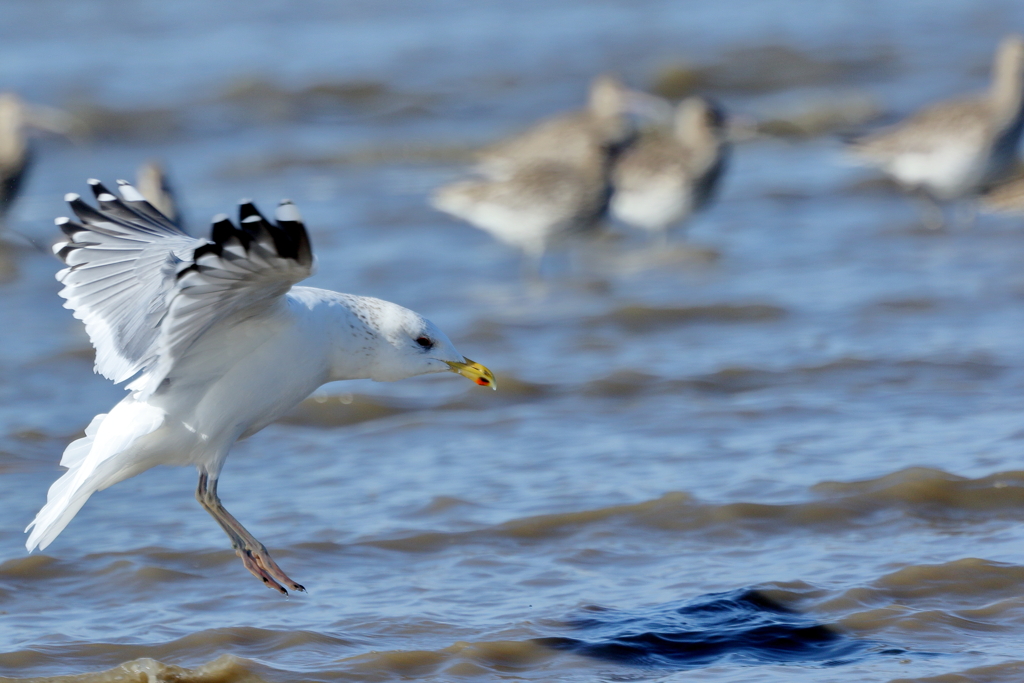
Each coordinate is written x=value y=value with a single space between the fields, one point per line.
x=742 y=626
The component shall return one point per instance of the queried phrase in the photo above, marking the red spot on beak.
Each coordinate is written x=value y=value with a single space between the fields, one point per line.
x=482 y=381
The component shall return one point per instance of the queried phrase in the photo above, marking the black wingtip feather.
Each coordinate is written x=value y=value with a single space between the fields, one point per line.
x=288 y=236
x=295 y=231
x=202 y=250
x=247 y=209
x=116 y=215
x=223 y=230
x=83 y=211
x=142 y=207
x=71 y=228
x=98 y=188
x=63 y=252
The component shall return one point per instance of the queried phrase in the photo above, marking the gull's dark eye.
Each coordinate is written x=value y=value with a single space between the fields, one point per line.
x=424 y=342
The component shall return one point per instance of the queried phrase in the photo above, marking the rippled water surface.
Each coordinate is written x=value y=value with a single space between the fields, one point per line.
x=786 y=449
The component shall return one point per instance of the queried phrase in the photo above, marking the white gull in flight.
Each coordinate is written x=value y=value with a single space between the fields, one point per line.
x=220 y=343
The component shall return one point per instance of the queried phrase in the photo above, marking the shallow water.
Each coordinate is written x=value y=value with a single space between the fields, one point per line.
x=787 y=449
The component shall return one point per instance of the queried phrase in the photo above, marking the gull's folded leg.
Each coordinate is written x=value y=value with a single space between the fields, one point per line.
x=254 y=554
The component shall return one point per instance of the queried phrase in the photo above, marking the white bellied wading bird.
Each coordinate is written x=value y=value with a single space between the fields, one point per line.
x=664 y=178
x=956 y=149
x=538 y=204
x=1006 y=197
x=14 y=150
x=220 y=343
x=573 y=137
x=551 y=181
x=16 y=119
x=151 y=180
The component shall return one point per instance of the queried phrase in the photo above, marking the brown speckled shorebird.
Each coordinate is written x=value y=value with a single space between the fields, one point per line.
x=551 y=181
x=950 y=145
x=539 y=203
x=1007 y=197
x=17 y=119
x=14 y=150
x=955 y=149
x=667 y=176
x=571 y=137
x=151 y=181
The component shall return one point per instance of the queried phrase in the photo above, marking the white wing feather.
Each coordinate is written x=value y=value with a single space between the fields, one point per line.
x=146 y=291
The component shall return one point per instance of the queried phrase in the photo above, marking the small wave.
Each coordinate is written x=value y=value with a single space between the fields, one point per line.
x=934 y=494
x=349 y=409
x=744 y=626
x=732 y=380
x=224 y=669
x=249 y=166
x=482 y=660
x=143 y=124
x=908 y=305
x=815 y=116
x=920 y=605
x=340 y=411
x=459 y=660
x=1006 y=672
x=968 y=594
x=138 y=571
x=237 y=655
x=766 y=68
x=641 y=319
x=914 y=493
x=32 y=567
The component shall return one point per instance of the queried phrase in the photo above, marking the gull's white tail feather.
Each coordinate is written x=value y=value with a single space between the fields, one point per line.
x=94 y=463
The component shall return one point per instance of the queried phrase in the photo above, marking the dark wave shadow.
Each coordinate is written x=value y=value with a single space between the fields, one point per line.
x=743 y=626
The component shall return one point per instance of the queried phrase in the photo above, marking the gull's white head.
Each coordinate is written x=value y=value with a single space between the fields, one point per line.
x=399 y=343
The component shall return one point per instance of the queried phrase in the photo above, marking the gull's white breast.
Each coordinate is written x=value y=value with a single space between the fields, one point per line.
x=242 y=375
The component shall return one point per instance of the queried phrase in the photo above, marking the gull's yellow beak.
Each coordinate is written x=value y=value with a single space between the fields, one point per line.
x=473 y=371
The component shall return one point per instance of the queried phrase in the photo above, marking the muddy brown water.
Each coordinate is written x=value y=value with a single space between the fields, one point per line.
x=789 y=448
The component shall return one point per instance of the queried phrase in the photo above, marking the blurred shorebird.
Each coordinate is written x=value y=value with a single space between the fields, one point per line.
x=220 y=340
x=539 y=203
x=1007 y=197
x=553 y=180
x=665 y=177
x=956 y=149
x=573 y=137
x=14 y=150
x=151 y=180
x=16 y=119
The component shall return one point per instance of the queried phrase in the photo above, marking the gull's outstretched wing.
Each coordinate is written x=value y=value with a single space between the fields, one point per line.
x=146 y=291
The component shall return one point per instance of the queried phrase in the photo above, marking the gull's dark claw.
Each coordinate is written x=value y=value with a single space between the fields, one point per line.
x=253 y=565
x=254 y=555
x=269 y=568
